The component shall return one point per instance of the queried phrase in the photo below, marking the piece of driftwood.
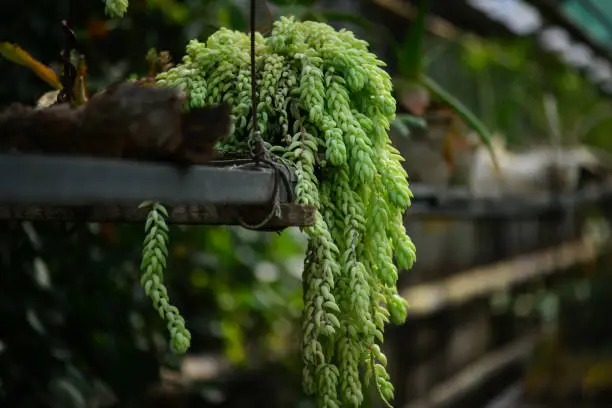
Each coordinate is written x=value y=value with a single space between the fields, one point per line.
x=126 y=120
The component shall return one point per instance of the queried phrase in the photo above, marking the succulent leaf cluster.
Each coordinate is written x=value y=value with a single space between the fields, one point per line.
x=325 y=106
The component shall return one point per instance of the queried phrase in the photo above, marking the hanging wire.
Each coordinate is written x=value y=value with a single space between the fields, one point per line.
x=253 y=78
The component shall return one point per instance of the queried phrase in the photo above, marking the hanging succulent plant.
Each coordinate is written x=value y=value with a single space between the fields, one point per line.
x=325 y=107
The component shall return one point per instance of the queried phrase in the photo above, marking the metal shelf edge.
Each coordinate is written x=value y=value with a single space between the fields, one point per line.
x=77 y=181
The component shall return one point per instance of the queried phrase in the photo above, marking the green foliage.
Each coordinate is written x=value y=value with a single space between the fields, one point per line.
x=515 y=76
x=411 y=55
x=459 y=108
x=325 y=106
x=411 y=67
x=154 y=254
x=404 y=121
x=115 y=8
x=78 y=326
x=69 y=311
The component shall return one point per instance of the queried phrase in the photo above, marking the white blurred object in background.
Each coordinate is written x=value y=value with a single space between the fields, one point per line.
x=517 y=15
x=537 y=171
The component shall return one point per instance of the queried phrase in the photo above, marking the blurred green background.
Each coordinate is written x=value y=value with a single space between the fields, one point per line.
x=76 y=329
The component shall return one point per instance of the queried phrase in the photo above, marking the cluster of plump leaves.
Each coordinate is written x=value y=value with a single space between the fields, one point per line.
x=154 y=254
x=325 y=106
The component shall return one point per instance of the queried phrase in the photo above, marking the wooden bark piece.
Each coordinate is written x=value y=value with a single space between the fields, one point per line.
x=125 y=120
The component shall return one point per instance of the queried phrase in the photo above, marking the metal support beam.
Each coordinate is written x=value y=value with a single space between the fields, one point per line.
x=66 y=189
